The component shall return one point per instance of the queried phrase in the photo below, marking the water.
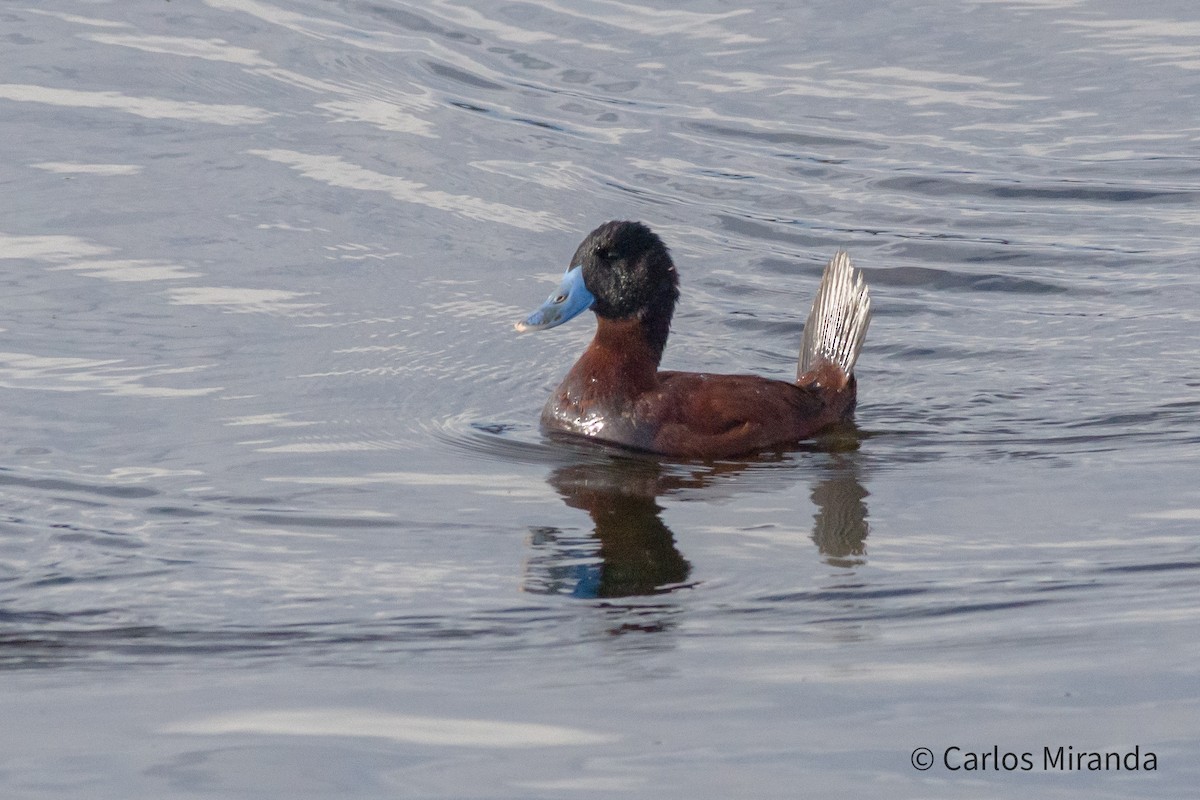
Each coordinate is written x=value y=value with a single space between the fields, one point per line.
x=277 y=520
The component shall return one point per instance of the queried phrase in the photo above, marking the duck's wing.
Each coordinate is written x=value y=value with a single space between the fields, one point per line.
x=716 y=416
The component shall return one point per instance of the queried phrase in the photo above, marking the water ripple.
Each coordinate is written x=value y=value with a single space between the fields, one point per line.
x=209 y=49
x=146 y=107
x=335 y=171
x=108 y=376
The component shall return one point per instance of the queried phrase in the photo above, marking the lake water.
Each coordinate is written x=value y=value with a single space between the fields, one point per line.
x=277 y=520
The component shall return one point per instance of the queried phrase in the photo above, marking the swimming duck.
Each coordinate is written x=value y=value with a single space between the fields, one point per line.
x=615 y=393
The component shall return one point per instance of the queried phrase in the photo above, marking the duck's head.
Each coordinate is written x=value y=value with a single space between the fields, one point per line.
x=621 y=271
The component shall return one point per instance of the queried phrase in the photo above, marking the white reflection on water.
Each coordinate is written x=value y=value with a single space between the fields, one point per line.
x=383 y=114
x=128 y=270
x=242 y=301
x=209 y=49
x=76 y=254
x=277 y=420
x=548 y=174
x=127 y=475
x=589 y=783
x=1029 y=4
x=75 y=168
x=332 y=446
x=403 y=728
x=911 y=87
x=109 y=376
x=1166 y=42
x=338 y=172
x=1172 y=514
x=55 y=247
x=623 y=16
x=76 y=19
x=384 y=107
x=309 y=26
x=515 y=488
x=147 y=107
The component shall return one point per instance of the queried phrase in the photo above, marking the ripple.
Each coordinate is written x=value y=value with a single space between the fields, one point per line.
x=303 y=520
x=49 y=639
x=332 y=444
x=802 y=141
x=128 y=270
x=890 y=85
x=55 y=484
x=335 y=171
x=208 y=49
x=463 y=77
x=940 y=280
x=244 y=301
x=412 y=21
x=147 y=107
x=1072 y=190
x=1164 y=42
x=76 y=168
x=505 y=441
x=50 y=247
x=1169 y=566
x=73 y=253
x=107 y=376
x=77 y=19
x=402 y=728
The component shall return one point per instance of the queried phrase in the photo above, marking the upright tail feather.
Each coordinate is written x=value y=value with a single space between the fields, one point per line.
x=837 y=324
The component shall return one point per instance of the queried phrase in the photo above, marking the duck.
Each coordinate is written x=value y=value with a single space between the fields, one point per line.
x=616 y=394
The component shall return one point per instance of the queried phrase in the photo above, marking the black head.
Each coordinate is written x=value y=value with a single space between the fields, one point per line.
x=628 y=270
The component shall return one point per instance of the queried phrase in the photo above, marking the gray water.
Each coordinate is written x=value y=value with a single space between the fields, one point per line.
x=277 y=520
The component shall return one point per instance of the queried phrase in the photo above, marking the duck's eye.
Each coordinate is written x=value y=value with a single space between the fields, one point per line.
x=604 y=254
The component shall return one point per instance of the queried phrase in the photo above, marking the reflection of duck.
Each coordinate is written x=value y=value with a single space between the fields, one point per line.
x=615 y=393
x=632 y=552
x=840 y=525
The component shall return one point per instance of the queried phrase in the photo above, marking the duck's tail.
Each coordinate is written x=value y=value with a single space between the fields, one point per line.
x=837 y=324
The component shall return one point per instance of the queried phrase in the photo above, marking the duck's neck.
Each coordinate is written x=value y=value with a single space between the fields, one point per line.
x=623 y=357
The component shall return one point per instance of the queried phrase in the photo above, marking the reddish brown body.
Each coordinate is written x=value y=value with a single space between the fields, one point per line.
x=615 y=393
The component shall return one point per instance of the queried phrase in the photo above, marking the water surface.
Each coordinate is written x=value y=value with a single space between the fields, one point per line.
x=277 y=520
